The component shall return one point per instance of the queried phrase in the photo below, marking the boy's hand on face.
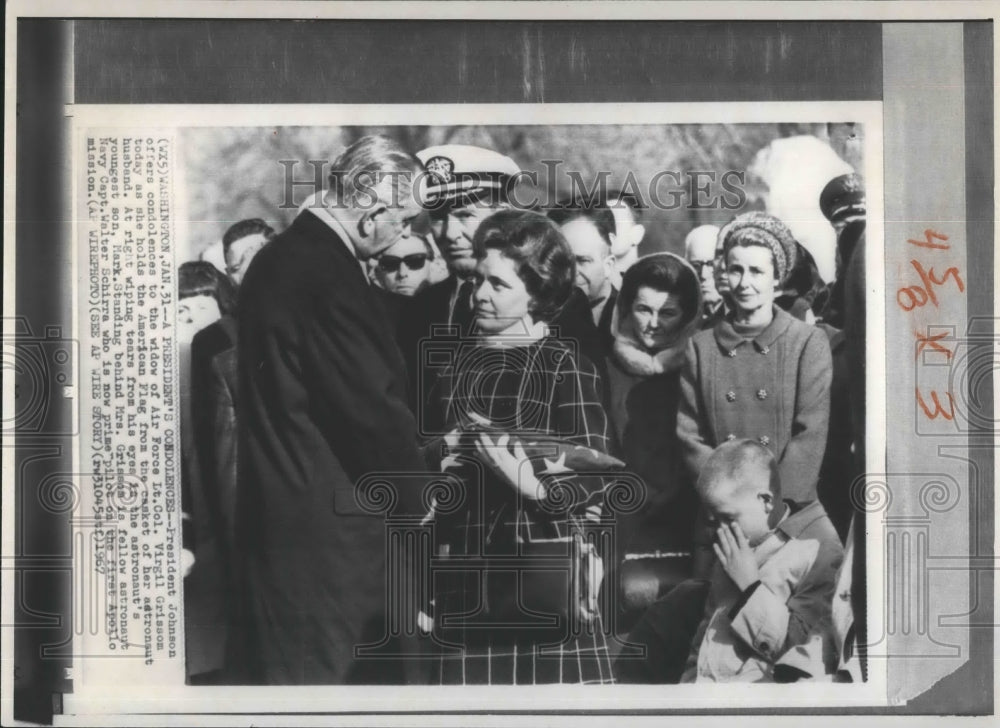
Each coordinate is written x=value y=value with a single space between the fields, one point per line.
x=735 y=555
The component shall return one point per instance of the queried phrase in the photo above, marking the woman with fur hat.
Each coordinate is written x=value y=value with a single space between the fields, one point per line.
x=759 y=373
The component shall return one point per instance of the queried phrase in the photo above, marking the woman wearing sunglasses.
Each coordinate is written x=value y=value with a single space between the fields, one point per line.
x=405 y=267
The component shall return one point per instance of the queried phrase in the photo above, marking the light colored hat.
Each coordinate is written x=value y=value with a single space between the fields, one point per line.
x=459 y=175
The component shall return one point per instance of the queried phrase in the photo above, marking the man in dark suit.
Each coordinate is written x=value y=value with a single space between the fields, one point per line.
x=323 y=404
x=627 y=209
x=590 y=232
x=842 y=202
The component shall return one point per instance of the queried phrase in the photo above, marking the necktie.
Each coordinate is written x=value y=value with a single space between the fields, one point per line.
x=462 y=315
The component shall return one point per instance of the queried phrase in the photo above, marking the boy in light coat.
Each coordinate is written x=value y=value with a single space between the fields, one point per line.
x=768 y=613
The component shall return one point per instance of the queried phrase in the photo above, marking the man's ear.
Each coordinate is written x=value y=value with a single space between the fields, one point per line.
x=636 y=234
x=366 y=223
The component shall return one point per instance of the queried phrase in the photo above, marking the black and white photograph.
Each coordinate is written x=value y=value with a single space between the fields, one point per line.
x=438 y=362
x=561 y=404
x=628 y=303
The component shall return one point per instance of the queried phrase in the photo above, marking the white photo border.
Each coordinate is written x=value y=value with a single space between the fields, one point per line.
x=90 y=700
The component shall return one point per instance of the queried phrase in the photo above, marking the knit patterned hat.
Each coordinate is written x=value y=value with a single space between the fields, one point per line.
x=760 y=228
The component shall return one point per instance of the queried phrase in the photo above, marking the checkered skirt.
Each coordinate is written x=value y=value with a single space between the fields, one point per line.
x=492 y=615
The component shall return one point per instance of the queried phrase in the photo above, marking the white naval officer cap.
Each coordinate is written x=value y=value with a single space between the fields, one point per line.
x=459 y=175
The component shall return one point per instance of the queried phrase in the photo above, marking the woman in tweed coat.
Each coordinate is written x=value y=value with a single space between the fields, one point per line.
x=759 y=373
x=511 y=384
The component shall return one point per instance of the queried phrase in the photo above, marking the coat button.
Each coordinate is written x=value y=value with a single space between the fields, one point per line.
x=765 y=440
x=730 y=437
x=761 y=394
x=730 y=396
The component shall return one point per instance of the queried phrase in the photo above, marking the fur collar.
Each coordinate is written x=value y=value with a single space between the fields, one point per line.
x=634 y=358
x=638 y=361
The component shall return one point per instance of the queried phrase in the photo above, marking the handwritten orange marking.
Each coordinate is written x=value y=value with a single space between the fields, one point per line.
x=924 y=340
x=927 y=241
x=911 y=297
x=916 y=295
x=938 y=409
x=919 y=295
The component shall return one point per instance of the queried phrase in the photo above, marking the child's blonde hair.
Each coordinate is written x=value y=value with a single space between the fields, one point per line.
x=732 y=460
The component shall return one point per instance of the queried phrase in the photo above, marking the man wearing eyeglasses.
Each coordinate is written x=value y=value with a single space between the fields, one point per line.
x=700 y=251
x=322 y=410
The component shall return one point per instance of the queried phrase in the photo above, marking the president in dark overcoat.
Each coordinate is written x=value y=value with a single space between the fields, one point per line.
x=323 y=404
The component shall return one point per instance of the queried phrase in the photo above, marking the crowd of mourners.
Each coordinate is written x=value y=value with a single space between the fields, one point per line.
x=517 y=381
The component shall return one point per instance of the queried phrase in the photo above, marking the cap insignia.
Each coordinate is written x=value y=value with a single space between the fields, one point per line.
x=441 y=168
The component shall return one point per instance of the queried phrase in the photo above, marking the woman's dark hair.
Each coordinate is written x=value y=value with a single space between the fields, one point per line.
x=245 y=228
x=666 y=273
x=201 y=278
x=540 y=253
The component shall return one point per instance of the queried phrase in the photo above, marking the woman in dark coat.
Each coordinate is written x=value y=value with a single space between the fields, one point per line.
x=657 y=311
x=656 y=314
x=204 y=294
x=514 y=384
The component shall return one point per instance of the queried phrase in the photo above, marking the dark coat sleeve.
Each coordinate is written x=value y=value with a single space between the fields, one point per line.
x=203 y=347
x=358 y=390
x=413 y=321
x=854 y=332
x=577 y=330
x=207 y=345
x=222 y=395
